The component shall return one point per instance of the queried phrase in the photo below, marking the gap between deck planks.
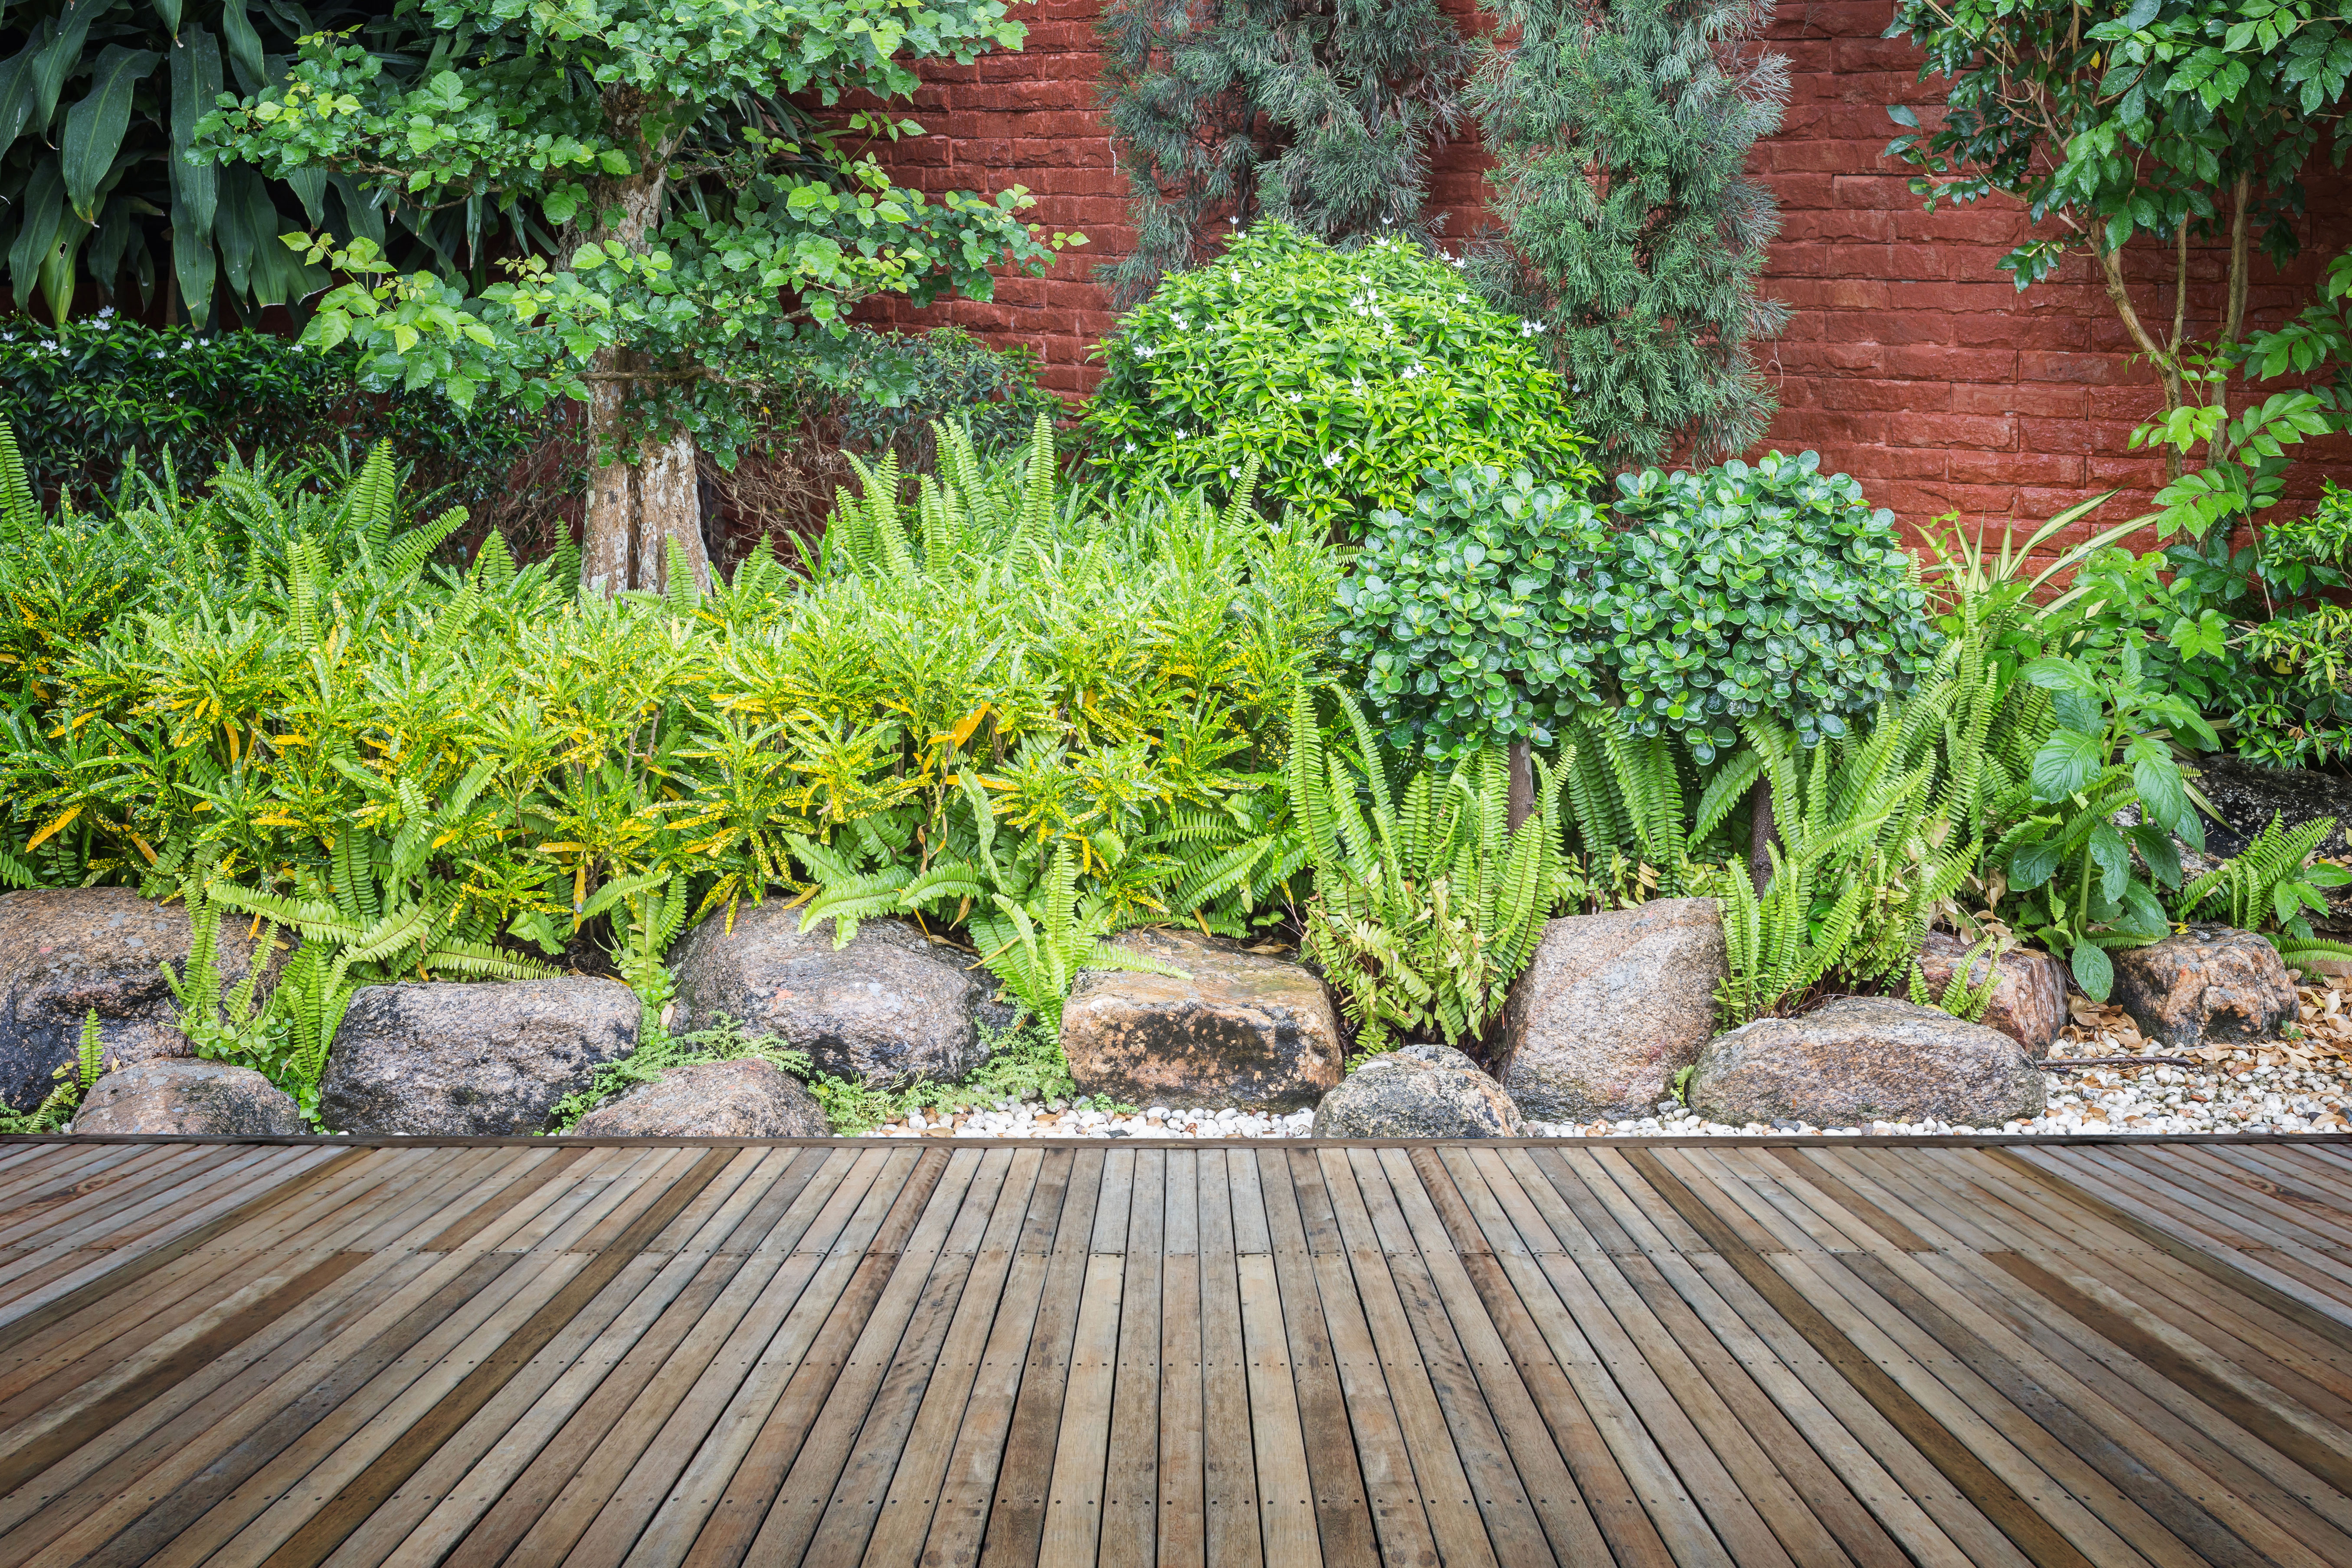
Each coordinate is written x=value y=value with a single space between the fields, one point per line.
x=1685 y=1353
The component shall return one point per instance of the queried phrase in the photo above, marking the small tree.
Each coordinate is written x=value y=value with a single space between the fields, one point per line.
x=651 y=224
x=1323 y=117
x=1630 y=230
x=2172 y=118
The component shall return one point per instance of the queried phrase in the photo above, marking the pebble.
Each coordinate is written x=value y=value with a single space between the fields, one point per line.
x=2237 y=1094
x=1030 y=1119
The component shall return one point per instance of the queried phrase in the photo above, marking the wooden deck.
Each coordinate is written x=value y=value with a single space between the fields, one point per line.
x=893 y=1353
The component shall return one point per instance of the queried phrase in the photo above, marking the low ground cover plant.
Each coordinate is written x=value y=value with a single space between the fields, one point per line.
x=1032 y=714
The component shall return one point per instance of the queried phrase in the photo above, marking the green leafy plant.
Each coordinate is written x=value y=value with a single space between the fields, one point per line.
x=1345 y=374
x=1323 y=118
x=2075 y=880
x=1770 y=590
x=1154 y=798
x=99 y=400
x=1964 y=996
x=1632 y=233
x=101 y=100
x=57 y=1108
x=2166 y=117
x=2272 y=884
x=1863 y=860
x=1002 y=688
x=723 y=1040
x=672 y=239
x=1470 y=615
x=1023 y=1062
x=2243 y=621
x=1426 y=904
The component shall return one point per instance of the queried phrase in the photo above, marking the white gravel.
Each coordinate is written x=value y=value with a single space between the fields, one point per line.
x=2299 y=1085
x=1028 y=1118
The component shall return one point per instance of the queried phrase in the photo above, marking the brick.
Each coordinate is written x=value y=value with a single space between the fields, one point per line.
x=1908 y=358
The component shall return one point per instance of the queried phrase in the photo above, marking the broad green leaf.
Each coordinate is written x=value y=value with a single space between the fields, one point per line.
x=2094 y=972
x=2157 y=776
x=95 y=126
x=2066 y=763
x=2161 y=855
x=2030 y=867
x=243 y=47
x=2108 y=852
x=44 y=208
x=196 y=68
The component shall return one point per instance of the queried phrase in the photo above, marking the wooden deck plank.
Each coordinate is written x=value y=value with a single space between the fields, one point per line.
x=916 y=1481
x=1074 y=1510
x=729 y=1527
x=1499 y=1453
x=1180 y=1516
x=650 y=1414
x=875 y=1459
x=1659 y=1372
x=1131 y=1510
x=898 y=1312
x=1343 y=1519
x=1850 y=1355
x=1231 y=1533
x=967 y=1494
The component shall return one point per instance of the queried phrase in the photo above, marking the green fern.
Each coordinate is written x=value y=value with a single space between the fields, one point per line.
x=1865 y=860
x=1037 y=946
x=1960 y=998
x=75 y=1077
x=1425 y=909
x=2273 y=886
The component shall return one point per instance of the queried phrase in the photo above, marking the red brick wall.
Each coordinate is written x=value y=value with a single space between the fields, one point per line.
x=1909 y=359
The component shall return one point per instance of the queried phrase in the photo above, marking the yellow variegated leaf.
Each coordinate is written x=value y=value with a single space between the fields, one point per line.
x=45 y=833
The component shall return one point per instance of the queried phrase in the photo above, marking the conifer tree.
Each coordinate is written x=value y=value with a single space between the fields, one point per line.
x=1630 y=232
x=1322 y=113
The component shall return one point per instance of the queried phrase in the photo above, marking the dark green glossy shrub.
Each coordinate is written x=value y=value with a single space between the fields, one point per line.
x=1772 y=589
x=1469 y=612
x=95 y=397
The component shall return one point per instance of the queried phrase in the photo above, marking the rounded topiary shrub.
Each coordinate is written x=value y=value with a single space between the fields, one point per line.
x=1471 y=614
x=1774 y=589
x=1346 y=373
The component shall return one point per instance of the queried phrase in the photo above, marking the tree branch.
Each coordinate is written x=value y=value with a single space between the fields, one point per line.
x=2236 y=320
x=2111 y=269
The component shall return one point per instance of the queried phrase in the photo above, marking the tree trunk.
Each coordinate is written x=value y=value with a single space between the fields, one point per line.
x=1523 y=784
x=636 y=509
x=1761 y=835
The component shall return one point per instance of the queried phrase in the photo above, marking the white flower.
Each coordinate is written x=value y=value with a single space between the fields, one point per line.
x=1331 y=459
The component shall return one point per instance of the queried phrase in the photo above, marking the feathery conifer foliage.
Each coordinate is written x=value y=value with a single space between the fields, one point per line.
x=1631 y=231
x=1321 y=115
